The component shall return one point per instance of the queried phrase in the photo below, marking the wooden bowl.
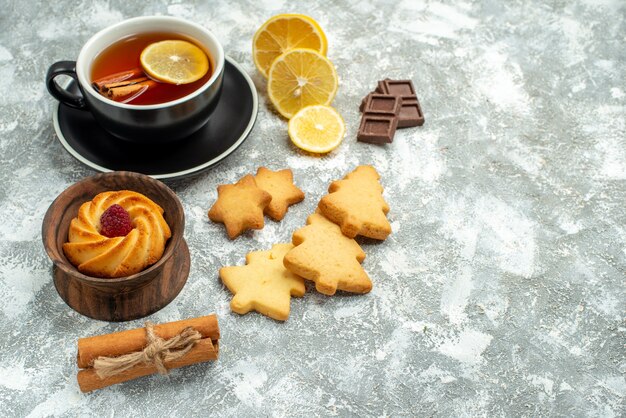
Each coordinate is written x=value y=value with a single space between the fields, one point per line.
x=123 y=298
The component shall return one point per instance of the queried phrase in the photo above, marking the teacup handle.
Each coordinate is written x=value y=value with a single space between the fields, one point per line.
x=62 y=95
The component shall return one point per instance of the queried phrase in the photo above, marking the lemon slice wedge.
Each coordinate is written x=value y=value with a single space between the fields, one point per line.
x=300 y=78
x=318 y=129
x=285 y=32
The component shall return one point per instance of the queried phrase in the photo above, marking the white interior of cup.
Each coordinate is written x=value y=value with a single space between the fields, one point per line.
x=112 y=34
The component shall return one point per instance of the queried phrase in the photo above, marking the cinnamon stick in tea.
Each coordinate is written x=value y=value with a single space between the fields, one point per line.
x=117 y=77
x=124 y=86
x=129 y=90
x=143 y=344
x=107 y=87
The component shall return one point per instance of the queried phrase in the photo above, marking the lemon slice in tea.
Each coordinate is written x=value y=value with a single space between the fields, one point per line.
x=174 y=62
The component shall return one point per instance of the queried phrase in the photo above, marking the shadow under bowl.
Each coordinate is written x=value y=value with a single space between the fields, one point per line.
x=122 y=298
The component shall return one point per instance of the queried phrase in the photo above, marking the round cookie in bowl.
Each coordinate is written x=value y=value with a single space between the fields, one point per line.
x=117 y=234
x=116 y=241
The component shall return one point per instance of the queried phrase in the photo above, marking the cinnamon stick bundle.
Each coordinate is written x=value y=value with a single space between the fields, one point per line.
x=124 y=86
x=197 y=339
x=100 y=83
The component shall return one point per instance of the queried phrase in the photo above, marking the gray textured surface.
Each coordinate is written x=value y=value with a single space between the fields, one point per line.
x=501 y=291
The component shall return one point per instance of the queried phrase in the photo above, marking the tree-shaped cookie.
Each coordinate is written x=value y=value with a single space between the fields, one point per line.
x=263 y=284
x=326 y=256
x=240 y=206
x=280 y=185
x=356 y=204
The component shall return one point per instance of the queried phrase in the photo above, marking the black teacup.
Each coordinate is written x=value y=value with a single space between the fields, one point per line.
x=142 y=123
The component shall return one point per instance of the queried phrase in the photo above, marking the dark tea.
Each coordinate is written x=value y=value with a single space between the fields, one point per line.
x=117 y=72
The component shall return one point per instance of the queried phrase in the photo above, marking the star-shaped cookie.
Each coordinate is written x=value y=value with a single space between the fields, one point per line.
x=356 y=204
x=240 y=206
x=322 y=253
x=280 y=185
x=263 y=284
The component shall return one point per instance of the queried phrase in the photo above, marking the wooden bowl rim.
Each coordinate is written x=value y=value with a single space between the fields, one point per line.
x=69 y=268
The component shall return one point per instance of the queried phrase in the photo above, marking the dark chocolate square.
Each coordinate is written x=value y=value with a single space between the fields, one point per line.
x=377 y=129
x=410 y=114
x=382 y=104
x=403 y=88
x=362 y=105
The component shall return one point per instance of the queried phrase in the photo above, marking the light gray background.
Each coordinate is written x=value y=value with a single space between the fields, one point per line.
x=499 y=293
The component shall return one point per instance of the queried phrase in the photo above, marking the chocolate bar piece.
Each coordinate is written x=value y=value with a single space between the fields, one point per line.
x=377 y=129
x=391 y=106
x=362 y=105
x=382 y=104
x=410 y=114
x=402 y=88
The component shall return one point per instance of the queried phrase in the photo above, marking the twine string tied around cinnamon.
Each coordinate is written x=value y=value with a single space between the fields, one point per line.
x=157 y=352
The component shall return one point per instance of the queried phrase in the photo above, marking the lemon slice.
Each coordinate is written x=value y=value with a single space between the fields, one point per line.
x=317 y=129
x=174 y=62
x=300 y=78
x=282 y=33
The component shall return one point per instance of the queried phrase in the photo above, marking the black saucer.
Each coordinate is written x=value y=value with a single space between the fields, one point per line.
x=229 y=126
